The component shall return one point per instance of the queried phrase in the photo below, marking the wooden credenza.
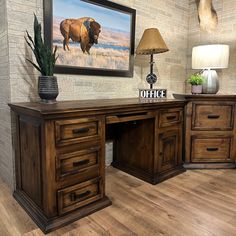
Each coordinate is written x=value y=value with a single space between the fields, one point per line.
x=210 y=131
x=60 y=152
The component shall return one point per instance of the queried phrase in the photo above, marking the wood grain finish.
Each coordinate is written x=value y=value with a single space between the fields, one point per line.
x=212 y=116
x=138 y=134
x=170 y=150
x=77 y=130
x=79 y=195
x=211 y=149
x=210 y=131
x=199 y=202
x=124 y=117
x=76 y=163
x=158 y=146
x=60 y=156
x=170 y=117
x=31 y=180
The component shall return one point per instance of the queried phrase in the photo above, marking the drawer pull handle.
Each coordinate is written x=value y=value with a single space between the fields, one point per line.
x=212 y=149
x=80 y=131
x=75 y=197
x=213 y=116
x=171 y=117
x=80 y=163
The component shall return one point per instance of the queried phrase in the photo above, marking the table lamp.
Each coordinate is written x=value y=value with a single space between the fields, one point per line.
x=208 y=57
x=151 y=43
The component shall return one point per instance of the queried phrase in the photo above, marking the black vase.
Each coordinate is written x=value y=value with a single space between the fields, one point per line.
x=48 y=89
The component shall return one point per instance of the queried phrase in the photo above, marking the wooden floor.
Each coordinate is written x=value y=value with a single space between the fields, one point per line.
x=199 y=202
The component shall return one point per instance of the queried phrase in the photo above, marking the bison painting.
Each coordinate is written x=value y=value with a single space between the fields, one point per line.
x=84 y=30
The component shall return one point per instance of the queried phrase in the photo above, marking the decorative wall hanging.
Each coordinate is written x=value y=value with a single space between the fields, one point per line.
x=93 y=37
x=207 y=15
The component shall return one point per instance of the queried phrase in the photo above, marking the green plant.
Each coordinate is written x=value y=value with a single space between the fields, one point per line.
x=46 y=59
x=195 y=79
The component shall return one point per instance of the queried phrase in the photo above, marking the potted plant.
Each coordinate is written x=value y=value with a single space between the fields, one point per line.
x=46 y=60
x=196 y=80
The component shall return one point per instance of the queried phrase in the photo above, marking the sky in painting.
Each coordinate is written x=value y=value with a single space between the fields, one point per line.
x=104 y=16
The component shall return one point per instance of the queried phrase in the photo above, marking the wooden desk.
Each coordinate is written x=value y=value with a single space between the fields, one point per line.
x=60 y=152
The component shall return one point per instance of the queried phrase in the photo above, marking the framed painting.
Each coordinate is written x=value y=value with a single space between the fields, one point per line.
x=93 y=37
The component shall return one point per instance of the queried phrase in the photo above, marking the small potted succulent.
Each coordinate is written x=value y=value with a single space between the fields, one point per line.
x=196 y=80
x=46 y=60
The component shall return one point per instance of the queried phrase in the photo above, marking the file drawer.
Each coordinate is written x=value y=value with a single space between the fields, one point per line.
x=79 y=195
x=212 y=117
x=211 y=149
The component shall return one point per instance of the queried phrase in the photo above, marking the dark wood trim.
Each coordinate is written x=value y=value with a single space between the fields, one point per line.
x=150 y=178
x=91 y=107
x=169 y=173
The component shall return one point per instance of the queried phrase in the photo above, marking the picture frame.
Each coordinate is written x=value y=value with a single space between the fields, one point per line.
x=113 y=55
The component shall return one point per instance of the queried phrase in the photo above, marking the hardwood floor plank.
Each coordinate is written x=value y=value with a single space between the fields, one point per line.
x=195 y=203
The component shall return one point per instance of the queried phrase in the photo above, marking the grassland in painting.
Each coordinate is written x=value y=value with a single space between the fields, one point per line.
x=111 y=52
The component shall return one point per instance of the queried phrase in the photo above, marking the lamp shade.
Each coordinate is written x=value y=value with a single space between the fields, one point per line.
x=215 y=56
x=151 y=43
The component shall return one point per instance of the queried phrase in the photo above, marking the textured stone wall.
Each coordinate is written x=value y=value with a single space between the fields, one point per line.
x=225 y=34
x=6 y=166
x=170 y=16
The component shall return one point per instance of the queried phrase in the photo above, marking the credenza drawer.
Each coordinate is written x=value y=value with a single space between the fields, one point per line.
x=212 y=117
x=78 y=163
x=79 y=195
x=170 y=117
x=211 y=149
x=77 y=130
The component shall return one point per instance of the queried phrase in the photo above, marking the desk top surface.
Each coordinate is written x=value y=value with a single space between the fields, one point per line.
x=92 y=105
x=218 y=96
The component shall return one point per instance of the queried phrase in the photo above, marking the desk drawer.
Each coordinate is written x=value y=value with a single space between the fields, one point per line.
x=212 y=117
x=77 y=130
x=80 y=163
x=79 y=195
x=124 y=117
x=211 y=149
x=170 y=117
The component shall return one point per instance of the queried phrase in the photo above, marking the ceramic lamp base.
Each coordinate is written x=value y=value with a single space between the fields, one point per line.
x=211 y=84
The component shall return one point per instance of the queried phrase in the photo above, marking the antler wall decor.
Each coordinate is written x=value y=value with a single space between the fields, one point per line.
x=207 y=15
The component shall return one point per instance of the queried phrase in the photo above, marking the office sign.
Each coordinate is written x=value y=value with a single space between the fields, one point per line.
x=152 y=93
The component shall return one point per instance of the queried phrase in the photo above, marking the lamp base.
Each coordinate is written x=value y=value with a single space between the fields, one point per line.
x=151 y=79
x=211 y=84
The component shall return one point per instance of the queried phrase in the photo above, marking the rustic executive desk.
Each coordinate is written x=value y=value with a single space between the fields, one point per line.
x=60 y=152
x=60 y=149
